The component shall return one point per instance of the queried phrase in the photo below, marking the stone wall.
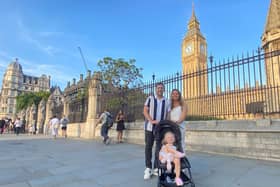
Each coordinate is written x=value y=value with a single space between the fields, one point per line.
x=250 y=139
x=242 y=138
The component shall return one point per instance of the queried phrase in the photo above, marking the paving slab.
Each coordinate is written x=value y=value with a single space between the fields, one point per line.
x=40 y=161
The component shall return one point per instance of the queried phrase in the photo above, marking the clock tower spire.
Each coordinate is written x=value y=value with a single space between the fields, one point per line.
x=194 y=58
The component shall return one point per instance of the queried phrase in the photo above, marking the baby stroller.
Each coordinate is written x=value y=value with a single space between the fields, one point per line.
x=165 y=178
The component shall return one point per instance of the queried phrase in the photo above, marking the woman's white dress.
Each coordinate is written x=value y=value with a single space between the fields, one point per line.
x=175 y=115
x=54 y=126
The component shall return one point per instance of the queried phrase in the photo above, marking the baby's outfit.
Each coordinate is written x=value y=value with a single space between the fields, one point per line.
x=169 y=157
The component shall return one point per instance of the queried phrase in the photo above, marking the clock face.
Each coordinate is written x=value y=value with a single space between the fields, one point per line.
x=188 y=49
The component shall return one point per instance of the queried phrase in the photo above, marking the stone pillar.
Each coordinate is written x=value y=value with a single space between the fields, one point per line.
x=27 y=116
x=66 y=107
x=41 y=116
x=32 y=115
x=93 y=103
x=48 y=109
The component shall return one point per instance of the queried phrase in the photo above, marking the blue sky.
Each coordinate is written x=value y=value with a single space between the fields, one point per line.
x=45 y=34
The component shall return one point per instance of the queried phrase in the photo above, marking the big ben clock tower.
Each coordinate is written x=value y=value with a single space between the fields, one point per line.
x=194 y=59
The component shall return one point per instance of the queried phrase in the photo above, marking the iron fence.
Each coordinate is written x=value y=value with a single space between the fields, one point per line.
x=78 y=110
x=236 y=88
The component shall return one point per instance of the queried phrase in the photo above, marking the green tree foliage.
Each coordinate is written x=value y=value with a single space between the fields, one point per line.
x=119 y=72
x=27 y=99
x=119 y=79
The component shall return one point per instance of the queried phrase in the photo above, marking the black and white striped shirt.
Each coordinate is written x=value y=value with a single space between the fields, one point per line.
x=157 y=110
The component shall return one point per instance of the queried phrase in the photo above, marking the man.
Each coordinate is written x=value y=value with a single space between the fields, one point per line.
x=105 y=126
x=23 y=125
x=18 y=125
x=2 y=125
x=155 y=110
x=63 y=123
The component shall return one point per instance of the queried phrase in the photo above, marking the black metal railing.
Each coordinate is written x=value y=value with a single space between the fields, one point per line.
x=78 y=110
x=237 y=88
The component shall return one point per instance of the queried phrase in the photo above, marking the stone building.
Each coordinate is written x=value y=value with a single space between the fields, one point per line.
x=76 y=98
x=195 y=86
x=16 y=82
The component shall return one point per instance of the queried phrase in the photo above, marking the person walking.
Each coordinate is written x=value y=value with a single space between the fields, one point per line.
x=120 y=125
x=17 y=126
x=155 y=110
x=63 y=123
x=23 y=125
x=54 y=124
x=178 y=112
x=106 y=123
x=2 y=125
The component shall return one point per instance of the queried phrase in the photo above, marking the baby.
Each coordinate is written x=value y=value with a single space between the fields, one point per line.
x=168 y=154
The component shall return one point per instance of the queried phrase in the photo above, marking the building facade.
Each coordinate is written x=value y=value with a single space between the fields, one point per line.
x=16 y=82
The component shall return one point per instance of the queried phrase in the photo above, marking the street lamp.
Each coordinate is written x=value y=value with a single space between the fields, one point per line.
x=153 y=86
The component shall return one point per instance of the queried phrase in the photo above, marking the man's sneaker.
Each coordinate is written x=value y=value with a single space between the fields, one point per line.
x=107 y=141
x=147 y=173
x=155 y=172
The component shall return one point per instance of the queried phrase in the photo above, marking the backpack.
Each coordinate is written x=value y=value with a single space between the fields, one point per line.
x=109 y=120
x=64 y=122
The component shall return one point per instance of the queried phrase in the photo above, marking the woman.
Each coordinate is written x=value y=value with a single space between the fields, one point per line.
x=54 y=124
x=120 y=125
x=178 y=112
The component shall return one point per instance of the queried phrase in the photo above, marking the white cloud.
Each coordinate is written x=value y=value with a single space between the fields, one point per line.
x=27 y=36
x=50 y=33
x=58 y=75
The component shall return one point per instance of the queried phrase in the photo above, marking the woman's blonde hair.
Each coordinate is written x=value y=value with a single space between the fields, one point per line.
x=181 y=100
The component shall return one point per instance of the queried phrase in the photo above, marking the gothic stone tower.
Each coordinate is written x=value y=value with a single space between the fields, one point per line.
x=12 y=81
x=271 y=42
x=194 y=58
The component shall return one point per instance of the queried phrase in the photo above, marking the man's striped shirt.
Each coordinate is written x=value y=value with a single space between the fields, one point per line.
x=157 y=110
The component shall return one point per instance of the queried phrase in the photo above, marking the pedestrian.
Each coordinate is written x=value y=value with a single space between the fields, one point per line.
x=178 y=112
x=54 y=125
x=155 y=110
x=106 y=121
x=32 y=129
x=17 y=125
x=23 y=125
x=120 y=125
x=63 y=123
x=2 y=125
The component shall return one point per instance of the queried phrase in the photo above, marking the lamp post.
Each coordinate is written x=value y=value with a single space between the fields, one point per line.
x=211 y=62
x=153 y=86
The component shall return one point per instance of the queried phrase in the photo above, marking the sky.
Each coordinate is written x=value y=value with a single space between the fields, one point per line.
x=45 y=34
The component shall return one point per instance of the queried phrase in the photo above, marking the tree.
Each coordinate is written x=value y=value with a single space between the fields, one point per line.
x=119 y=76
x=119 y=72
x=27 y=99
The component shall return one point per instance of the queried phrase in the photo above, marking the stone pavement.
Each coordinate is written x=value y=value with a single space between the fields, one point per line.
x=37 y=161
